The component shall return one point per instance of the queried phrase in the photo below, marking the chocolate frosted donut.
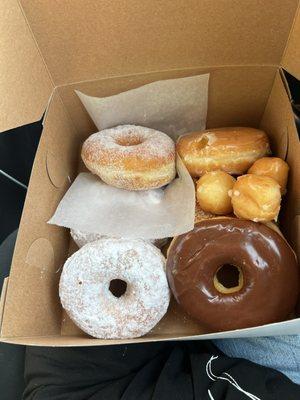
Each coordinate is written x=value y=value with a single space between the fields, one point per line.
x=265 y=287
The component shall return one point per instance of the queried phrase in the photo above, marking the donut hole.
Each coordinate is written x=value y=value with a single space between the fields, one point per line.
x=202 y=143
x=228 y=279
x=129 y=141
x=117 y=287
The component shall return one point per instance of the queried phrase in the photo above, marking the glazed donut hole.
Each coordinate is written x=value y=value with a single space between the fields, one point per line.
x=273 y=167
x=212 y=192
x=228 y=279
x=256 y=197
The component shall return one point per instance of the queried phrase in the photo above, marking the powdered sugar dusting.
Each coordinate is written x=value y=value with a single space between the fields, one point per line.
x=142 y=141
x=85 y=295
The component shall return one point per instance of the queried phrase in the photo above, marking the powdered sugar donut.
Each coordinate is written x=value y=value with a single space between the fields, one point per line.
x=131 y=157
x=115 y=288
x=82 y=238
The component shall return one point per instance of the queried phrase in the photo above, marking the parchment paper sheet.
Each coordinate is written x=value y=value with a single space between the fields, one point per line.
x=92 y=206
x=175 y=106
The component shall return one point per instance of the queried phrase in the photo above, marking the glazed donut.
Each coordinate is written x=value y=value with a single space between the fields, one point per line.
x=131 y=157
x=232 y=150
x=265 y=285
x=82 y=238
x=115 y=288
x=212 y=192
x=273 y=167
x=256 y=197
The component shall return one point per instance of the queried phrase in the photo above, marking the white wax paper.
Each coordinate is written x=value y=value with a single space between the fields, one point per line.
x=91 y=205
x=176 y=107
x=173 y=106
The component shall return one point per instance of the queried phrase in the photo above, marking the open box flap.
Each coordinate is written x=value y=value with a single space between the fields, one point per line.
x=291 y=57
x=279 y=123
x=24 y=81
x=47 y=44
x=41 y=249
x=2 y=299
x=86 y=40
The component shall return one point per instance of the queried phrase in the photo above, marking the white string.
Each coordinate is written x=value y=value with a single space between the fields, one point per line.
x=230 y=379
x=13 y=179
x=210 y=395
x=234 y=383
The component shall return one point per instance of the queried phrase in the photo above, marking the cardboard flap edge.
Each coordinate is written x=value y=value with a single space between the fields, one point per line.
x=291 y=56
x=25 y=83
x=2 y=300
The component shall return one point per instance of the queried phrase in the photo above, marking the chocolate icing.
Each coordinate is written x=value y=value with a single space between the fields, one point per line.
x=268 y=264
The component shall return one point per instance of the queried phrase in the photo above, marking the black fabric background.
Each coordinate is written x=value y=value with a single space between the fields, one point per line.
x=17 y=151
x=156 y=371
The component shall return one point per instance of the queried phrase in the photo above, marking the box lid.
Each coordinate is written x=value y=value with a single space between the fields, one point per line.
x=54 y=43
x=25 y=84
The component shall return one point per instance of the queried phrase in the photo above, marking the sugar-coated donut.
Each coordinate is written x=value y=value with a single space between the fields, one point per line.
x=115 y=288
x=232 y=150
x=273 y=167
x=82 y=238
x=256 y=198
x=263 y=289
x=212 y=192
x=131 y=157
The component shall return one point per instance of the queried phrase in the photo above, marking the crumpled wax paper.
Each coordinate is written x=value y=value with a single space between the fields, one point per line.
x=176 y=107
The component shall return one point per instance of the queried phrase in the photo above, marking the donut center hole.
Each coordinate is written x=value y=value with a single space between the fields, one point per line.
x=129 y=141
x=117 y=287
x=202 y=143
x=228 y=279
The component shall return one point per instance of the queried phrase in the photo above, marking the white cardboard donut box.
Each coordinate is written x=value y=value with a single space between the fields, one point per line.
x=103 y=48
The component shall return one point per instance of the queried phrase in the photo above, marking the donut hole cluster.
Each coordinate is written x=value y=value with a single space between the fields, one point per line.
x=117 y=287
x=228 y=279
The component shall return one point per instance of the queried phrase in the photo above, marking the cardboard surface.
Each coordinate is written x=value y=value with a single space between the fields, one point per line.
x=32 y=302
x=46 y=44
x=291 y=327
x=25 y=85
x=278 y=121
x=291 y=57
x=88 y=39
